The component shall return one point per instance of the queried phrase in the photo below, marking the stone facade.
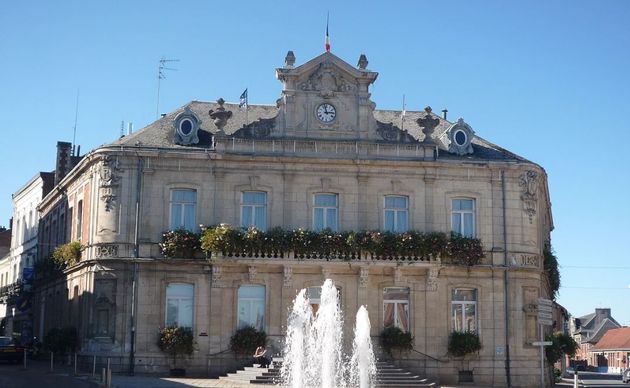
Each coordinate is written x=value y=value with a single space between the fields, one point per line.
x=289 y=154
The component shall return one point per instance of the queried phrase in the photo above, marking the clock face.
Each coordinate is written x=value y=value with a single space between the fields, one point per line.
x=326 y=113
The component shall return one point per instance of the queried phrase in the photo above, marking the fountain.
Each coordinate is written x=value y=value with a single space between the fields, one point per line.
x=313 y=355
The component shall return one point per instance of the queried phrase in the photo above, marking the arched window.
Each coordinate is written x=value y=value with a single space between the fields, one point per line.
x=179 y=304
x=251 y=307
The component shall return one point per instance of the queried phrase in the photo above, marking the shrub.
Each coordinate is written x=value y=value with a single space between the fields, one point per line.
x=463 y=343
x=180 y=243
x=247 y=339
x=394 y=338
x=176 y=341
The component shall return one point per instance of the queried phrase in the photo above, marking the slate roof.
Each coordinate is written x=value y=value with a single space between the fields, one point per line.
x=160 y=134
x=614 y=339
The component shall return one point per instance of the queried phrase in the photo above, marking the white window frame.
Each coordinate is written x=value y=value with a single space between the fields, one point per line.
x=464 y=304
x=181 y=224
x=180 y=299
x=241 y=324
x=396 y=302
x=325 y=209
x=252 y=207
x=462 y=214
x=397 y=228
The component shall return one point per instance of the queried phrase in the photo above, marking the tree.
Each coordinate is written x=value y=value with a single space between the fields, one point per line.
x=561 y=344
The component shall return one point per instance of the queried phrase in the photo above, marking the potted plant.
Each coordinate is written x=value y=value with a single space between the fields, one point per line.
x=393 y=338
x=461 y=344
x=176 y=341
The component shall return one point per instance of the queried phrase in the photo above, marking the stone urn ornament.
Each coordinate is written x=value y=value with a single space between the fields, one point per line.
x=428 y=124
x=220 y=117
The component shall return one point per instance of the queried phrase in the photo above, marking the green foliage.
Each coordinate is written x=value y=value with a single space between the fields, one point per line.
x=463 y=343
x=62 y=340
x=552 y=270
x=561 y=344
x=46 y=269
x=394 y=338
x=180 y=243
x=176 y=341
x=67 y=255
x=412 y=245
x=464 y=250
x=247 y=339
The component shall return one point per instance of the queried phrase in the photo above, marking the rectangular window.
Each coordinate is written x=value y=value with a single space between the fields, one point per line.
x=396 y=213
x=396 y=307
x=183 y=209
x=251 y=307
x=464 y=309
x=325 y=210
x=463 y=217
x=179 y=304
x=254 y=209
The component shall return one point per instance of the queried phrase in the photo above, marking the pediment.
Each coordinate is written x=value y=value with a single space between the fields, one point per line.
x=327 y=73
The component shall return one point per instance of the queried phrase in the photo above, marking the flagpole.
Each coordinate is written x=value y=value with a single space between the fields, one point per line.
x=247 y=107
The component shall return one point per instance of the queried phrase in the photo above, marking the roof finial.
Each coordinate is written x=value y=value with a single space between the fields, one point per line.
x=363 y=62
x=289 y=60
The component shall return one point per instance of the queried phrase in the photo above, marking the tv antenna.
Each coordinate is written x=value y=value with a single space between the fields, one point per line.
x=74 y=130
x=162 y=75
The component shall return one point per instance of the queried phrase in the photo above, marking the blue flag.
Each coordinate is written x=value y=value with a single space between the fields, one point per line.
x=243 y=99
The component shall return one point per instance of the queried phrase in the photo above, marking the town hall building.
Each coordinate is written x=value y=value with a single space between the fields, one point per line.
x=321 y=158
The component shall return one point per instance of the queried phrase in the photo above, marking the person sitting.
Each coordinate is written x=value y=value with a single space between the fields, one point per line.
x=261 y=357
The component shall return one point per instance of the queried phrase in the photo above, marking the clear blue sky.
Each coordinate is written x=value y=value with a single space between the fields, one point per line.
x=548 y=80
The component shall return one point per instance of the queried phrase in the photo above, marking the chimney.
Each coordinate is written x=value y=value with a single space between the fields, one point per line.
x=62 y=167
x=129 y=128
x=604 y=313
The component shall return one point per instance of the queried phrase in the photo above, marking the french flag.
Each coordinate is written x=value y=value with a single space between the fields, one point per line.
x=327 y=37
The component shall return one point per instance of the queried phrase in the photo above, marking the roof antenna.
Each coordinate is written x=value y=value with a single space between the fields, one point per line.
x=162 y=75
x=76 y=116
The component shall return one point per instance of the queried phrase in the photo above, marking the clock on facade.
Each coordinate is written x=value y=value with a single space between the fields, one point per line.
x=326 y=113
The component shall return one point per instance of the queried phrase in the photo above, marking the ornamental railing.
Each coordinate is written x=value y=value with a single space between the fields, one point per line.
x=324 y=256
x=325 y=148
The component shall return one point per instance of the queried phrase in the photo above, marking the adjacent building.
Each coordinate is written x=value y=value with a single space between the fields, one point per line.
x=321 y=157
x=588 y=330
x=611 y=353
x=18 y=264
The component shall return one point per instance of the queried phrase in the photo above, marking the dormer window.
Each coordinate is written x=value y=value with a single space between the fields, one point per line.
x=460 y=136
x=186 y=127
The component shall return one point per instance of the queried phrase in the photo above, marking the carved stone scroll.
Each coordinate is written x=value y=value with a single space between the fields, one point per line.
x=363 y=277
x=288 y=277
x=432 y=282
x=529 y=185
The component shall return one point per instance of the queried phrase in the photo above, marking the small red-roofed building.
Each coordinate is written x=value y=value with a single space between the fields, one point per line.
x=612 y=351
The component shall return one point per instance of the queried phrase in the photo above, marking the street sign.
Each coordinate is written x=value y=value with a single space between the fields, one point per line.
x=545 y=322
x=544 y=315
x=543 y=343
x=544 y=301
